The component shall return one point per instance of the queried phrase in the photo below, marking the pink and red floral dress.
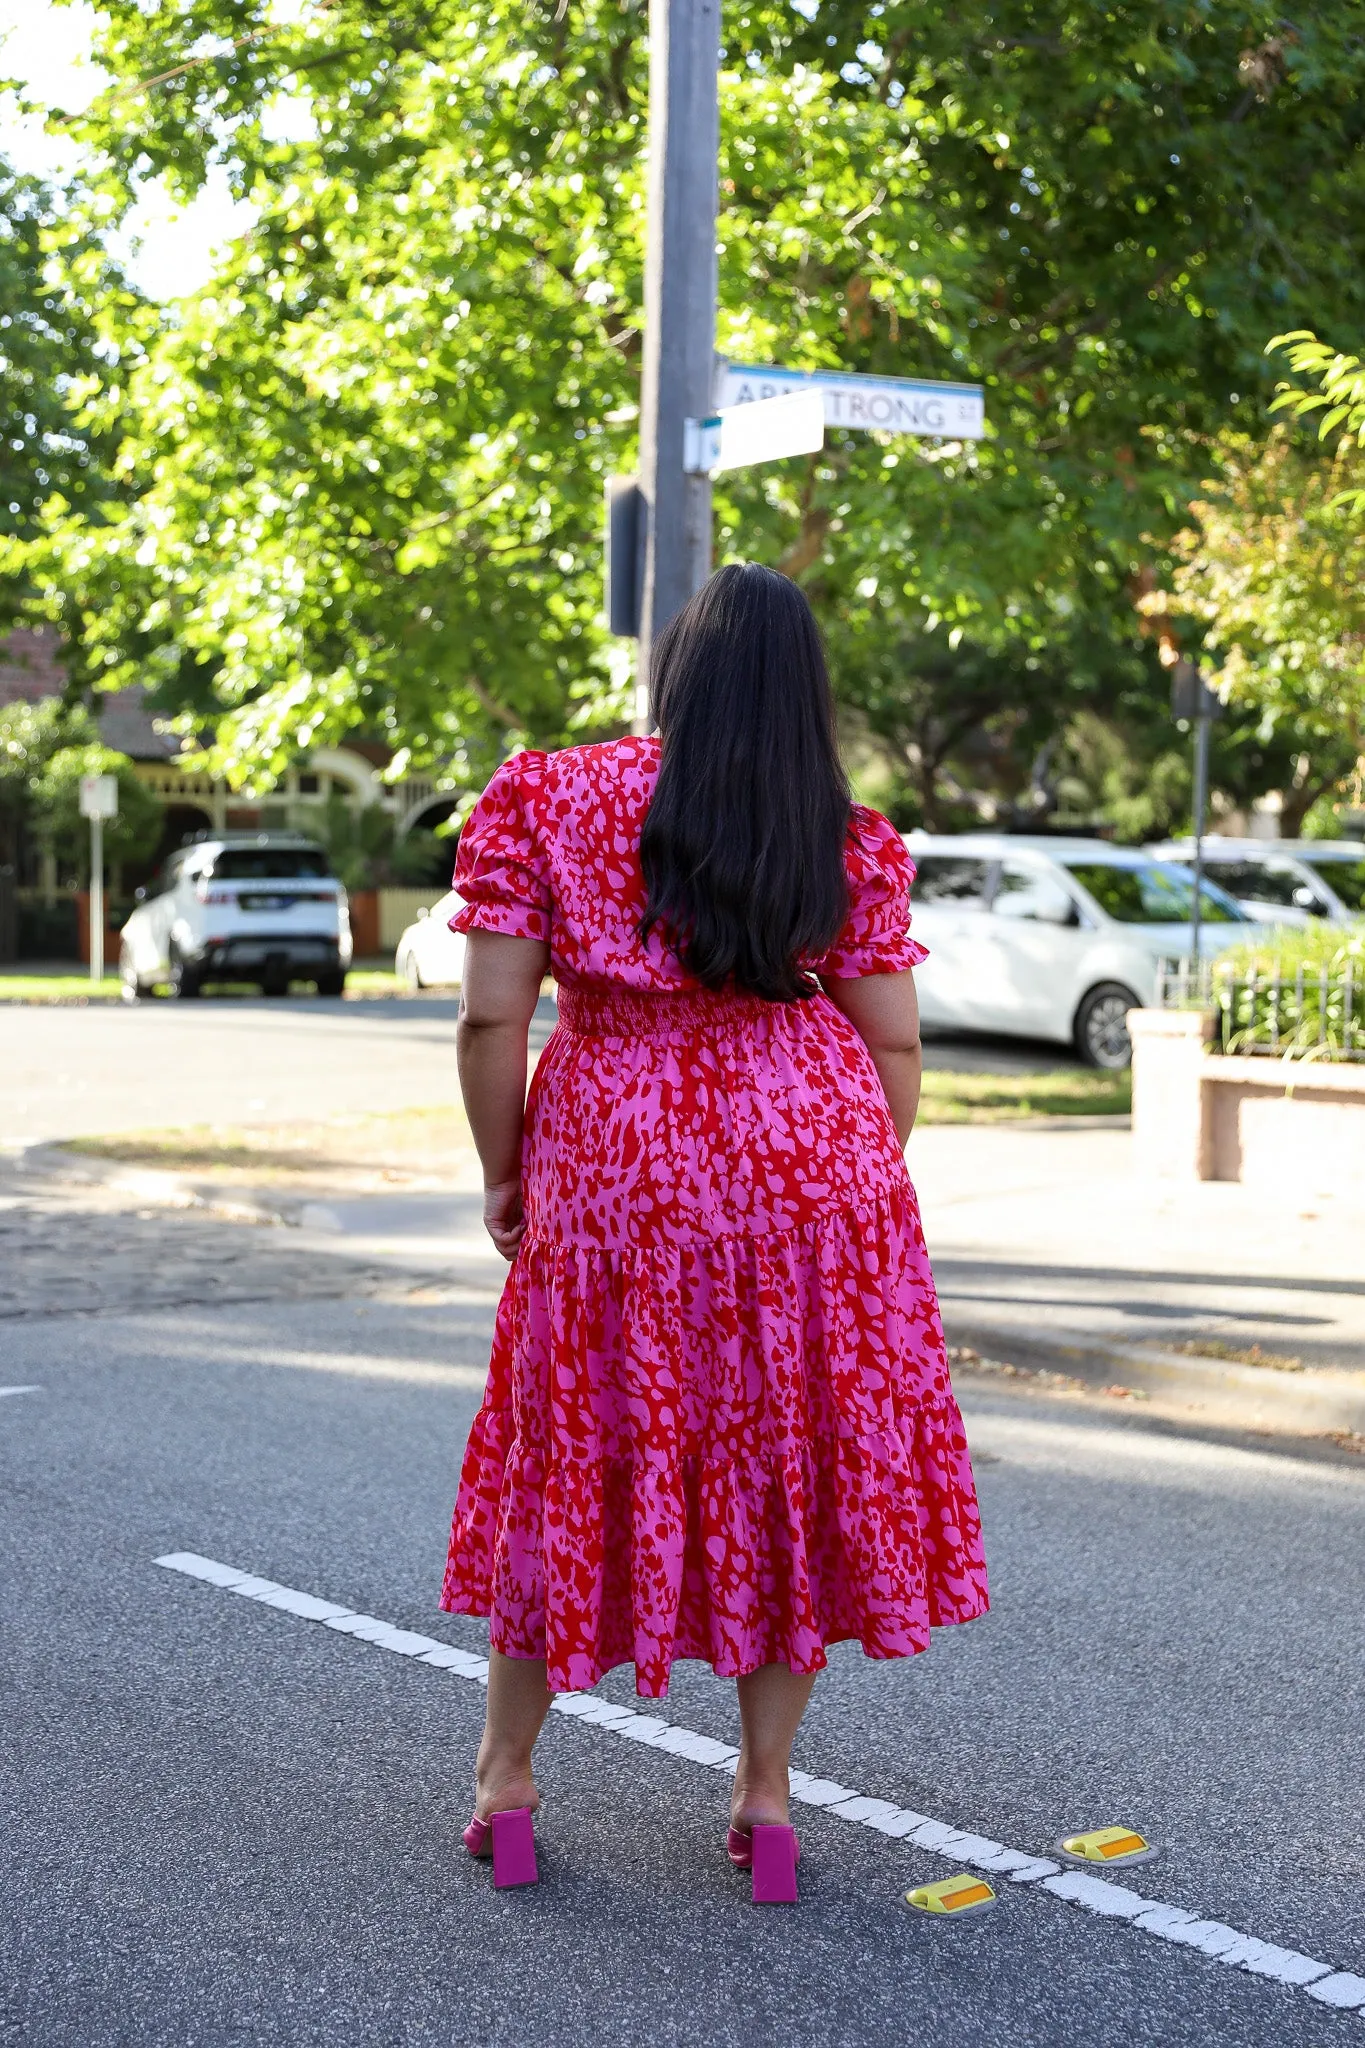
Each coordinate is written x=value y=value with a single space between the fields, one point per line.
x=718 y=1420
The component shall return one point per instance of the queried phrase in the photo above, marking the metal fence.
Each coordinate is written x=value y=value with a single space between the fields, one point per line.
x=1306 y=1013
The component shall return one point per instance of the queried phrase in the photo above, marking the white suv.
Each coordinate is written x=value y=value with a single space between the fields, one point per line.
x=265 y=909
x=1052 y=938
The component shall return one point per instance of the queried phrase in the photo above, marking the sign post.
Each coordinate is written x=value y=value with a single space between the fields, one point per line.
x=680 y=311
x=99 y=800
x=1192 y=699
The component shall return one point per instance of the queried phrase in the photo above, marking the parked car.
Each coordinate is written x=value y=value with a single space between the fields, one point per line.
x=430 y=954
x=265 y=909
x=1052 y=938
x=1283 y=881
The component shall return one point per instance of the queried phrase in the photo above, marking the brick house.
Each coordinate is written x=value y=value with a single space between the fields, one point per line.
x=31 y=669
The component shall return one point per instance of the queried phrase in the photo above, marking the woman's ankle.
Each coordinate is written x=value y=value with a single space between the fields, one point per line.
x=502 y=1785
x=760 y=1799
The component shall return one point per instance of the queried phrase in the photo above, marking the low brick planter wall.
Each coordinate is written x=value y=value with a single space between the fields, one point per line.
x=1286 y=1125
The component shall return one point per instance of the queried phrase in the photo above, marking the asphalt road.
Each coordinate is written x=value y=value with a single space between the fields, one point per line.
x=222 y=1823
x=70 y=1072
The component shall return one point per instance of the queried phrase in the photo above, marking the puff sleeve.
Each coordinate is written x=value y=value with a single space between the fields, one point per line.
x=876 y=938
x=501 y=868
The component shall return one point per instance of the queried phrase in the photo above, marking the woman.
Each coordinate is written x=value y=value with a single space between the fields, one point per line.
x=718 y=1421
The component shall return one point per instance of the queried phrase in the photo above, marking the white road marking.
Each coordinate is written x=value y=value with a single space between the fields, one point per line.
x=1097 y=1895
x=19 y=1390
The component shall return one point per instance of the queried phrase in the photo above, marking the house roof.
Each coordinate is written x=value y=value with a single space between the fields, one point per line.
x=126 y=725
x=31 y=665
x=31 y=668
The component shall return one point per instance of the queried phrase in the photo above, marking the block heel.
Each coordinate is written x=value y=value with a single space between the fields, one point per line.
x=510 y=1838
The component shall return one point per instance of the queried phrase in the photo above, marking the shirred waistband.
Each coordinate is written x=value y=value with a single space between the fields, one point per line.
x=648 y=1013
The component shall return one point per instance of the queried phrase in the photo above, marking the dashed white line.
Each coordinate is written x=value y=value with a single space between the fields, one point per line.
x=19 y=1390
x=1098 y=1895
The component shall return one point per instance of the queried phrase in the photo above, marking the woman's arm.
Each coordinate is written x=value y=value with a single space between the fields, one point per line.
x=883 y=1011
x=502 y=980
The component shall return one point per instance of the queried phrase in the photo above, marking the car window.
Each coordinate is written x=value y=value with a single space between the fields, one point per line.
x=1151 y=894
x=1259 y=881
x=1031 y=895
x=951 y=878
x=1342 y=874
x=269 y=864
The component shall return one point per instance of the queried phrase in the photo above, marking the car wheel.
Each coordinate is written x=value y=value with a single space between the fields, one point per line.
x=1102 y=1026
x=332 y=984
x=128 y=975
x=183 y=979
x=411 y=973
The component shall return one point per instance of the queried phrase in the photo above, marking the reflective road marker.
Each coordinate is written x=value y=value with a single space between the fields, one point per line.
x=953 y=1898
x=1107 y=1846
x=1340 y=1988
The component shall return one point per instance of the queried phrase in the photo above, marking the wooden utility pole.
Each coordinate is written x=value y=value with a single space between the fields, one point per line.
x=680 y=310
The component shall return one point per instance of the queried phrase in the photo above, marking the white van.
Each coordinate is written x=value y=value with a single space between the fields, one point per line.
x=265 y=909
x=1052 y=938
x=1283 y=881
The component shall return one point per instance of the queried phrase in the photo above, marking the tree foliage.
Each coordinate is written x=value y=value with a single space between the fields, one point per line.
x=45 y=749
x=1275 y=572
x=360 y=476
x=47 y=344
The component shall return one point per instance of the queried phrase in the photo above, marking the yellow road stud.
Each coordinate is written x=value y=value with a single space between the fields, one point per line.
x=1107 y=1846
x=963 y=1897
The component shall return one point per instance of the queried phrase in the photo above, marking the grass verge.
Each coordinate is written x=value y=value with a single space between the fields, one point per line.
x=77 y=989
x=949 y=1098
x=408 y=1150
x=431 y=1148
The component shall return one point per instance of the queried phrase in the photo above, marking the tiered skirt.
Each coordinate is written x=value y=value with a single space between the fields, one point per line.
x=718 y=1421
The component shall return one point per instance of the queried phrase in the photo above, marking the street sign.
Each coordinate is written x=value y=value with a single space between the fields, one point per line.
x=788 y=423
x=99 y=796
x=1191 y=696
x=893 y=405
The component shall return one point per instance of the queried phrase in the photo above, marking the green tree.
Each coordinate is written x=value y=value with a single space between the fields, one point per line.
x=361 y=474
x=47 y=350
x=45 y=749
x=131 y=835
x=1274 y=570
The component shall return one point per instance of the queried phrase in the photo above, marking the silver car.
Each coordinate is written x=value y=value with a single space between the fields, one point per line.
x=1052 y=938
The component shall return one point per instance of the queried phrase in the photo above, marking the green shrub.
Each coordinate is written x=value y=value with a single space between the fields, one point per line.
x=1297 y=992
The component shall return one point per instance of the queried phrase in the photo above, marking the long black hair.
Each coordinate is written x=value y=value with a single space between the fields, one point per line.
x=743 y=847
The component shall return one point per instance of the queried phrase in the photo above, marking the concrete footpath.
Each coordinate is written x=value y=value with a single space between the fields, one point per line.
x=1052 y=1259
x=1050 y=1251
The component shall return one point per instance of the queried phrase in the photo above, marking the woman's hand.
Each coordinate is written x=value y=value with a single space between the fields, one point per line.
x=503 y=1218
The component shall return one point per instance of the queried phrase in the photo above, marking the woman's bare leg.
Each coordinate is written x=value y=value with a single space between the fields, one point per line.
x=518 y=1701
x=771 y=1703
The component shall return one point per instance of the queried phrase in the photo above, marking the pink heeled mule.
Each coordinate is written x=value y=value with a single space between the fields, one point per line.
x=510 y=1838
x=772 y=1854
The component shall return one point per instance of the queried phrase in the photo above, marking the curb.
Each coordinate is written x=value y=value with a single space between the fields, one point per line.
x=151 y=1185
x=1308 y=1403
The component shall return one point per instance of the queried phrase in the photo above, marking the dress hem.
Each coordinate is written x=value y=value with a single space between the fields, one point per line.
x=722 y=1667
